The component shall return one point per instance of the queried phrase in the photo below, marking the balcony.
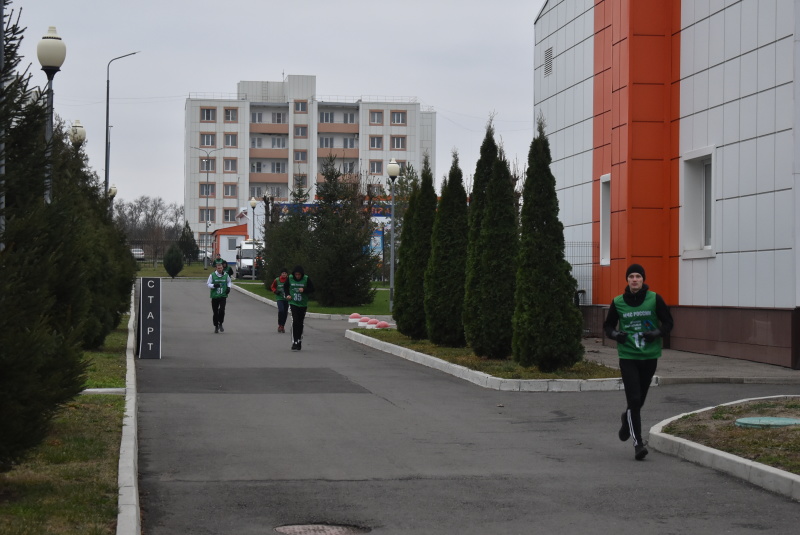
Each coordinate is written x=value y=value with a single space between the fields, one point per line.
x=337 y=128
x=269 y=128
x=279 y=154
x=269 y=178
x=340 y=154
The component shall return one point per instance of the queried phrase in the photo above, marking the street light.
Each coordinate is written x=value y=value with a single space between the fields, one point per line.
x=77 y=133
x=51 y=52
x=393 y=169
x=112 y=192
x=108 y=94
x=208 y=194
x=253 y=203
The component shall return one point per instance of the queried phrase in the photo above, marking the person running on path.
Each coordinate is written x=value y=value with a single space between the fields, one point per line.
x=644 y=318
x=277 y=288
x=219 y=283
x=297 y=289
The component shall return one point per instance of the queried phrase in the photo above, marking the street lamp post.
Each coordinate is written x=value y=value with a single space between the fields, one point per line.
x=108 y=94
x=393 y=169
x=208 y=194
x=51 y=52
x=253 y=203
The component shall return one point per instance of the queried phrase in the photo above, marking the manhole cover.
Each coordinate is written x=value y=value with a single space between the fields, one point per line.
x=320 y=529
x=766 y=421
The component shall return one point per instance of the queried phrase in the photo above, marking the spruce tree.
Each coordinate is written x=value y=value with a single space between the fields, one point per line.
x=415 y=250
x=473 y=304
x=548 y=327
x=173 y=261
x=445 y=274
x=498 y=246
x=187 y=244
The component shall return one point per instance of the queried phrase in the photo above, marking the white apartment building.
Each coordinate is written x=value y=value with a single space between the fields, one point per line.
x=271 y=136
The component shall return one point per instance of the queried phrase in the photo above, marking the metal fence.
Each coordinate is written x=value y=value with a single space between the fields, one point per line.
x=579 y=255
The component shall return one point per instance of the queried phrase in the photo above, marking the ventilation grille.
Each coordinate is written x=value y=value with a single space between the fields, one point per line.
x=548 y=61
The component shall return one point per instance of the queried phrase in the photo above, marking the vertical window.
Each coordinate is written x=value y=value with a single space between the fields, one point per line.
x=229 y=190
x=349 y=168
x=208 y=190
x=278 y=142
x=301 y=106
x=208 y=215
x=231 y=115
x=231 y=140
x=279 y=118
x=208 y=115
x=208 y=140
x=230 y=165
x=257 y=191
x=398 y=142
x=326 y=116
x=256 y=117
x=349 y=117
x=349 y=142
x=257 y=167
x=231 y=244
x=605 y=220
x=300 y=156
x=376 y=142
x=300 y=131
x=326 y=142
x=278 y=167
x=256 y=142
x=300 y=181
x=398 y=117
x=229 y=215
x=697 y=197
x=708 y=199
x=376 y=167
x=375 y=117
x=208 y=165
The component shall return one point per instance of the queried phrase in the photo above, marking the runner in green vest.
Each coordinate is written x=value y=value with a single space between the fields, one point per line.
x=278 y=288
x=297 y=289
x=219 y=283
x=644 y=318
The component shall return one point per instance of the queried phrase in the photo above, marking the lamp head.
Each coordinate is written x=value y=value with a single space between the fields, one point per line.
x=253 y=202
x=51 y=52
x=393 y=169
x=77 y=133
x=112 y=191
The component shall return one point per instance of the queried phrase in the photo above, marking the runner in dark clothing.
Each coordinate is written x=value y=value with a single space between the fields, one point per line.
x=297 y=289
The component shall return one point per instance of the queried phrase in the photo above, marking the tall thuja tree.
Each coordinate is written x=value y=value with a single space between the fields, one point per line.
x=548 y=327
x=473 y=305
x=445 y=274
x=498 y=245
x=415 y=249
x=343 y=264
x=41 y=363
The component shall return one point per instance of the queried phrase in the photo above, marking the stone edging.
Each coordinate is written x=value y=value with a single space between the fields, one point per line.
x=772 y=479
x=129 y=517
x=489 y=381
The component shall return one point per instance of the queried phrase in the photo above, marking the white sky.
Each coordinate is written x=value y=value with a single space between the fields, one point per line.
x=467 y=59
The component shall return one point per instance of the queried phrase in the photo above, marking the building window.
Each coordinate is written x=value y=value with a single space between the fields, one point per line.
x=231 y=115
x=279 y=118
x=300 y=181
x=349 y=168
x=398 y=117
x=257 y=191
x=229 y=215
x=208 y=140
x=278 y=142
x=326 y=116
x=698 y=201
x=278 y=167
x=256 y=117
x=375 y=117
x=257 y=167
x=208 y=165
x=374 y=190
x=274 y=191
x=376 y=142
x=208 y=115
x=605 y=220
x=398 y=142
x=208 y=190
x=349 y=143
x=301 y=106
x=231 y=140
x=326 y=142
x=229 y=190
x=208 y=215
x=230 y=165
x=256 y=142
x=548 y=61
x=300 y=131
x=300 y=156
x=376 y=167
x=231 y=244
x=349 y=118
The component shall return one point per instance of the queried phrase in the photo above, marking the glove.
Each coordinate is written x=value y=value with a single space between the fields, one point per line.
x=649 y=336
x=216 y=285
x=619 y=336
x=227 y=291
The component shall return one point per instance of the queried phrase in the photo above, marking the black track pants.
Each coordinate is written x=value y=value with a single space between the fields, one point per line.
x=298 y=317
x=636 y=376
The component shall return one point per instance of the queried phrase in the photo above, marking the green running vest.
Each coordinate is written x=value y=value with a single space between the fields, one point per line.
x=635 y=321
x=216 y=293
x=296 y=298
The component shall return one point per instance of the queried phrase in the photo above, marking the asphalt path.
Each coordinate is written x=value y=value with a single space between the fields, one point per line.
x=238 y=435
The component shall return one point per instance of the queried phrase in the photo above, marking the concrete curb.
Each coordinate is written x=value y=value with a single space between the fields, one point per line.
x=488 y=381
x=772 y=479
x=129 y=517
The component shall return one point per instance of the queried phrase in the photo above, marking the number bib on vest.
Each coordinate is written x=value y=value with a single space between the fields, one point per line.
x=635 y=321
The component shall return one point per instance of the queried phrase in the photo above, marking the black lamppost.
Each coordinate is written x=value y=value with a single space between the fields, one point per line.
x=393 y=170
x=108 y=94
x=51 y=52
x=208 y=194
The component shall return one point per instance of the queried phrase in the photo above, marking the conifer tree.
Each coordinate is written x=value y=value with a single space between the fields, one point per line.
x=473 y=305
x=498 y=246
x=415 y=249
x=445 y=275
x=173 y=261
x=187 y=244
x=548 y=327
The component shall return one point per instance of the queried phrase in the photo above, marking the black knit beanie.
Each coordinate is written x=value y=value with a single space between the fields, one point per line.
x=635 y=268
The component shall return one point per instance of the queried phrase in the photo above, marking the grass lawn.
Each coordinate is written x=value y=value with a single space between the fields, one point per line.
x=379 y=307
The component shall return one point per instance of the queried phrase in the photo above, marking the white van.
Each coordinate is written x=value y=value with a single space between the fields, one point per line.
x=247 y=254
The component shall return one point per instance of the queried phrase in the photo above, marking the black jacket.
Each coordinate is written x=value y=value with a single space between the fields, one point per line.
x=635 y=300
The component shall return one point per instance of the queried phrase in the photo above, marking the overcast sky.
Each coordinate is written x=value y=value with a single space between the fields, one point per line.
x=467 y=59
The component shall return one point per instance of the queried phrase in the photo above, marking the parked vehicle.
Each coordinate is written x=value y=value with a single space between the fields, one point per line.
x=248 y=256
x=138 y=254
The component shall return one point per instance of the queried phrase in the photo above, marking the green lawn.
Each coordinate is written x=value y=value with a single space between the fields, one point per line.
x=379 y=307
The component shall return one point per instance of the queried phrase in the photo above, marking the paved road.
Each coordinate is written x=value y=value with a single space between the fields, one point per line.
x=239 y=435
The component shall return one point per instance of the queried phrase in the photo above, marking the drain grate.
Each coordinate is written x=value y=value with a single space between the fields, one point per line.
x=320 y=529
